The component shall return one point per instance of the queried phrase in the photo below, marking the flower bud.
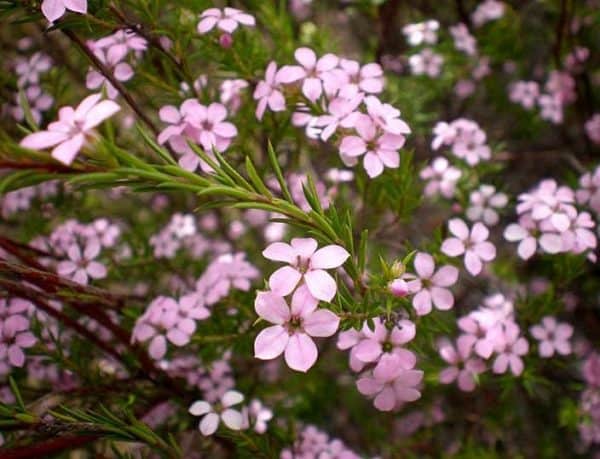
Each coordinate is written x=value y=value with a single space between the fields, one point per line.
x=226 y=40
x=398 y=287
x=397 y=269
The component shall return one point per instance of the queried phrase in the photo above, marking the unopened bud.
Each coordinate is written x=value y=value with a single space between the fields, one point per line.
x=226 y=40
x=398 y=287
x=397 y=269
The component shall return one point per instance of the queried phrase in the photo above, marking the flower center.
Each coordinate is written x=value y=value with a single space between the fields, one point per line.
x=294 y=324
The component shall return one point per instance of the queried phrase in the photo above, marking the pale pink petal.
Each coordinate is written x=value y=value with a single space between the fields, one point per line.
x=321 y=285
x=303 y=302
x=16 y=356
x=284 y=280
x=53 y=9
x=385 y=400
x=96 y=270
x=330 y=256
x=66 y=151
x=422 y=302
x=280 y=251
x=301 y=352
x=79 y=6
x=448 y=375
x=424 y=265
x=99 y=113
x=306 y=57
x=158 y=347
x=206 y=24
x=271 y=342
x=304 y=247
x=442 y=298
x=458 y=228
x=209 y=424
x=272 y=307
x=232 y=419
x=367 y=350
x=453 y=247
x=473 y=263
x=231 y=398
x=445 y=276
x=199 y=407
x=43 y=139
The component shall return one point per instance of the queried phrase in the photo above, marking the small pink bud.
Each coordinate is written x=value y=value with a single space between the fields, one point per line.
x=226 y=40
x=398 y=287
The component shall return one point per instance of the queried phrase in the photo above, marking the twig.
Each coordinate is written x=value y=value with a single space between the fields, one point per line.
x=19 y=290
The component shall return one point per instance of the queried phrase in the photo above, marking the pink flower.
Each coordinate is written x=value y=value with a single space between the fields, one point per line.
x=54 y=9
x=510 y=347
x=380 y=149
x=227 y=20
x=122 y=72
x=421 y=32
x=473 y=244
x=307 y=264
x=430 y=286
x=120 y=43
x=426 y=63
x=390 y=384
x=259 y=414
x=311 y=71
x=553 y=337
x=525 y=232
x=294 y=328
x=525 y=93
x=366 y=79
x=441 y=178
x=166 y=319
x=198 y=123
x=488 y=10
x=464 y=368
x=386 y=117
x=552 y=108
x=341 y=112
x=463 y=40
x=69 y=133
x=268 y=93
x=81 y=265
x=589 y=186
x=374 y=344
x=476 y=328
x=222 y=412
x=592 y=128
x=483 y=204
x=14 y=332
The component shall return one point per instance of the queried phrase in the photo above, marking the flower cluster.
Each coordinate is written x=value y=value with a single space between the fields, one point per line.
x=487 y=332
x=465 y=138
x=15 y=335
x=169 y=320
x=548 y=219
x=29 y=71
x=386 y=368
x=199 y=124
x=364 y=126
x=254 y=415
x=112 y=51
x=312 y=442
x=306 y=279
